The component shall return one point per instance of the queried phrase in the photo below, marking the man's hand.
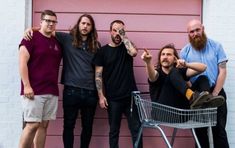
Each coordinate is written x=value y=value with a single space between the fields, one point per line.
x=103 y=102
x=28 y=92
x=28 y=34
x=181 y=63
x=122 y=33
x=146 y=56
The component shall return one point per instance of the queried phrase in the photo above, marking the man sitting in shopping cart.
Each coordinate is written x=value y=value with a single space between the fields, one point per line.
x=168 y=81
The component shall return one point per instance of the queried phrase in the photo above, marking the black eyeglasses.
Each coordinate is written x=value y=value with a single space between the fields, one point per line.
x=50 y=21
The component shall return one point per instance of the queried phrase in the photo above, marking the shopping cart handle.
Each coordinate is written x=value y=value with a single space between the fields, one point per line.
x=135 y=92
x=138 y=92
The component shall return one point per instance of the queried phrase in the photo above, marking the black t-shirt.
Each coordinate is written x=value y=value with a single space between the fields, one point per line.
x=118 y=75
x=163 y=91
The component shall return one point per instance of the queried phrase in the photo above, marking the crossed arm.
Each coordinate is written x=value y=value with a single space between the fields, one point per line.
x=194 y=68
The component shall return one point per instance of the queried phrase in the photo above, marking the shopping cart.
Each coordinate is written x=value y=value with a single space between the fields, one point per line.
x=154 y=115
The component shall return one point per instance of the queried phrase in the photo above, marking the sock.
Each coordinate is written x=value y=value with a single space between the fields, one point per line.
x=189 y=94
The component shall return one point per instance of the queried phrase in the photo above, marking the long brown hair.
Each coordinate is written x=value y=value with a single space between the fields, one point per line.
x=171 y=46
x=92 y=38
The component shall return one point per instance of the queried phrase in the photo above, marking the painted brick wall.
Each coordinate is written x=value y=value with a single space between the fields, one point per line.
x=12 y=26
x=219 y=20
x=150 y=26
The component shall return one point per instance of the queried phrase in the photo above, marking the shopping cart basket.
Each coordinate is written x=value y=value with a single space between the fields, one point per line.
x=154 y=115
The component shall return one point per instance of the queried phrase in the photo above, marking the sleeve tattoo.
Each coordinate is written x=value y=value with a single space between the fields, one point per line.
x=98 y=80
x=127 y=43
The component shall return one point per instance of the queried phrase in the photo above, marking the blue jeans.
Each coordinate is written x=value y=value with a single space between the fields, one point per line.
x=115 y=111
x=75 y=99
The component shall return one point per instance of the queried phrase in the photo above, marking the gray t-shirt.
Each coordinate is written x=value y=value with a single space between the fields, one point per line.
x=78 y=70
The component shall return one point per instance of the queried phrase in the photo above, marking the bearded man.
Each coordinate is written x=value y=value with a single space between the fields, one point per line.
x=168 y=81
x=115 y=81
x=207 y=51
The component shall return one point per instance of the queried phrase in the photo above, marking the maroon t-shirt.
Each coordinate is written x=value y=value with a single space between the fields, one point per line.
x=43 y=65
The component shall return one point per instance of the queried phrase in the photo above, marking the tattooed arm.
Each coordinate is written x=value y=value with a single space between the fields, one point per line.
x=131 y=48
x=220 y=79
x=99 y=86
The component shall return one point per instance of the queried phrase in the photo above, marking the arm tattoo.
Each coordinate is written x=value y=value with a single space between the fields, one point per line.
x=127 y=43
x=133 y=44
x=98 y=75
x=122 y=32
x=131 y=50
x=98 y=80
x=98 y=84
x=222 y=64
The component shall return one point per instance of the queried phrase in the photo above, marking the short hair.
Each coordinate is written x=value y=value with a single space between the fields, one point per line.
x=47 y=12
x=116 y=21
x=171 y=46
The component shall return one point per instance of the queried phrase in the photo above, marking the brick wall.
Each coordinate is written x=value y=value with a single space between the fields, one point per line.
x=12 y=26
x=219 y=20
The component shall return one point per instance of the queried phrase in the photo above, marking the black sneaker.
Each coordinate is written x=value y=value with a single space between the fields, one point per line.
x=214 y=101
x=198 y=99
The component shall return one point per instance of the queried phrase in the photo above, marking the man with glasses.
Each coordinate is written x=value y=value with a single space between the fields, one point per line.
x=39 y=60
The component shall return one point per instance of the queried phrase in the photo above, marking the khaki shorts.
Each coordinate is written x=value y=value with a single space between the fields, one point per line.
x=41 y=108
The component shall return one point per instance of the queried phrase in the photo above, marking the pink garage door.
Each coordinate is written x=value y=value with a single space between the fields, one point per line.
x=150 y=24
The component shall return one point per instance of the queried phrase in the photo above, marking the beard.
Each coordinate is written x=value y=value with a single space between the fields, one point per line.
x=84 y=32
x=198 y=42
x=116 y=39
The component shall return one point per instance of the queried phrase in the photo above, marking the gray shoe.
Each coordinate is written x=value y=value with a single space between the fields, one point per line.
x=198 y=99
x=214 y=101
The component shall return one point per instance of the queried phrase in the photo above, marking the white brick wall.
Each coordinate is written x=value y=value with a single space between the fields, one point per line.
x=12 y=25
x=219 y=21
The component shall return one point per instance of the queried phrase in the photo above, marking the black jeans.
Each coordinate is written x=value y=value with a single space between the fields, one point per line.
x=219 y=133
x=115 y=111
x=173 y=90
x=75 y=99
